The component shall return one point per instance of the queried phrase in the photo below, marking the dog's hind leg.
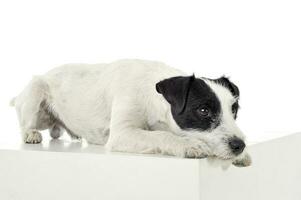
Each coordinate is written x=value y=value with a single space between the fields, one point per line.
x=30 y=106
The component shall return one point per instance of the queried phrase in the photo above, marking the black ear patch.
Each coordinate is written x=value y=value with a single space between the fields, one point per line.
x=175 y=90
x=187 y=96
x=228 y=84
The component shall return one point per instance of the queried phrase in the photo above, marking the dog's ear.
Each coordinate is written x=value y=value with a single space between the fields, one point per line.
x=175 y=90
x=228 y=84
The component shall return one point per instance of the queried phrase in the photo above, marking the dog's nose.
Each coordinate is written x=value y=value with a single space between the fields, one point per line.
x=237 y=145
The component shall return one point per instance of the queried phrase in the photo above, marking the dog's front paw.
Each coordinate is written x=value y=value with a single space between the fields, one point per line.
x=194 y=148
x=244 y=161
x=33 y=137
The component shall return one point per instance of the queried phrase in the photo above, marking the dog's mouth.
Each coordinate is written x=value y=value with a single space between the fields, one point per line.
x=228 y=148
x=227 y=154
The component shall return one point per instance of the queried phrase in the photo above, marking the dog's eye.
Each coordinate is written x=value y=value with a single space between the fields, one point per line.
x=203 y=111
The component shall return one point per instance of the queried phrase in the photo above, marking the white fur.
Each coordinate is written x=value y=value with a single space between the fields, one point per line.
x=116 y=105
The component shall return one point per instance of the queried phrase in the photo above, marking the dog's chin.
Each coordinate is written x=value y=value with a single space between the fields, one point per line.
x=227 y=157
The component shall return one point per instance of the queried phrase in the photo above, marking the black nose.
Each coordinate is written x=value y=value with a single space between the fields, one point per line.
x=237 y=145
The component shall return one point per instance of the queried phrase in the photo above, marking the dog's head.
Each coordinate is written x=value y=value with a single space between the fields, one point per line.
x=207 y=109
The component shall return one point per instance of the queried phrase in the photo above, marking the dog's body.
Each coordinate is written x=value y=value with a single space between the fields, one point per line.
x=130 y=106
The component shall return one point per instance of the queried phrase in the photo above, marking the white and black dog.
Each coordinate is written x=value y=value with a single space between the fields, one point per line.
x=135 y=106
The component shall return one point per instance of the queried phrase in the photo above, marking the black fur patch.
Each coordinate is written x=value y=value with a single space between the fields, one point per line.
x=228 y=84
x=224 y=81
x=189 y=97
x=235 y=108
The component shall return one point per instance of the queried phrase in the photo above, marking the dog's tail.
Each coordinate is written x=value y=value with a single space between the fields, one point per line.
x=12 y=102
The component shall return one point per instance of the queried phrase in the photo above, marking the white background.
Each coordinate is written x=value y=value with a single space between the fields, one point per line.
x=257 y=43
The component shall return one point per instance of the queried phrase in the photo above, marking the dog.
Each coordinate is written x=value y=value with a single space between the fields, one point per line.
x=135 y=106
